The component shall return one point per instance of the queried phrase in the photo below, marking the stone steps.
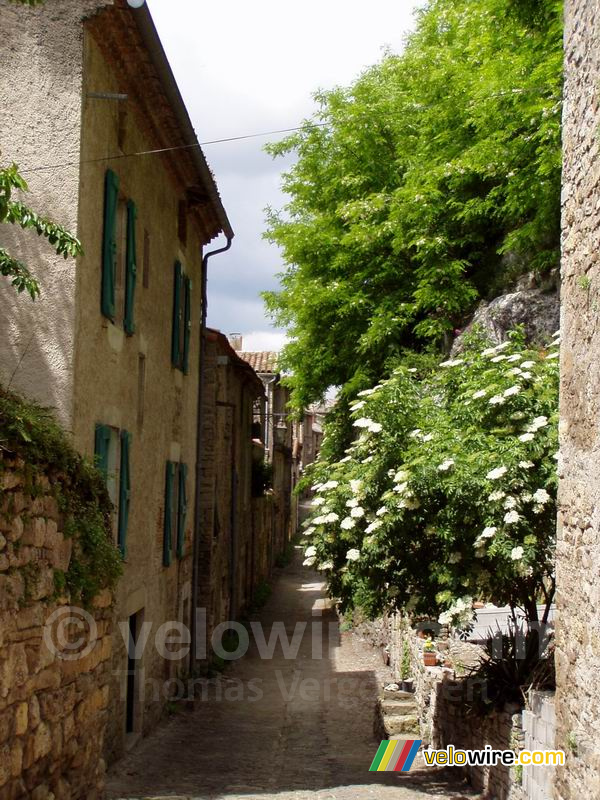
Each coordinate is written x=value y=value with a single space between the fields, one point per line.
x=396 y=707
x=400 y=723
x=396 y=715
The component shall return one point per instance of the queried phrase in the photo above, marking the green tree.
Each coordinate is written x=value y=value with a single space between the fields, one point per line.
x=15 y=212
x=431 y=182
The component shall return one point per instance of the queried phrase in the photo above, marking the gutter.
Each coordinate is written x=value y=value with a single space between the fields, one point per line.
x=199 y=449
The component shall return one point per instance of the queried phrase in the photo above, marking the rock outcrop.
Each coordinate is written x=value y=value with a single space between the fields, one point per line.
x=537 y=309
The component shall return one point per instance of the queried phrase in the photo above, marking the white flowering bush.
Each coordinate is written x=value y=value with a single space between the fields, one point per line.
x=448 y=492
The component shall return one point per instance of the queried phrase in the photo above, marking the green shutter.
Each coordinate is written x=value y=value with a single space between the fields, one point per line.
x=187 y=324
x=109 y=244
x=101 y=444
x=177 y=346
x=131 y=273
x=124 y=491
x=168 y=533
x=182 y=510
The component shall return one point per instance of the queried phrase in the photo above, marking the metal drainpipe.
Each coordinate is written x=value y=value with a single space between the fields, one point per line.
x=199 y=447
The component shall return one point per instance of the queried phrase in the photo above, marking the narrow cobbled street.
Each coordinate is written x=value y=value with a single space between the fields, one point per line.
x=303 y=727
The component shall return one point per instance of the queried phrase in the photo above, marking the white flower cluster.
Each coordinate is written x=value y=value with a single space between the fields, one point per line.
x=368 y=424
x=460 y=614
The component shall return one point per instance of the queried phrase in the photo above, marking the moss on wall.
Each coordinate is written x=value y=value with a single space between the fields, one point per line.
x=35 y=446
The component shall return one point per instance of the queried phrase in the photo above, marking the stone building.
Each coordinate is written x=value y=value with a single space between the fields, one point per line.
x=311 y=433
x=278 y=434
x=113 y=345
x=578 y=552
x=237 y=521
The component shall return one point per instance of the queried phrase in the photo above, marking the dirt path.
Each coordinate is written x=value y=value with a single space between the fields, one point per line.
x=281 y=728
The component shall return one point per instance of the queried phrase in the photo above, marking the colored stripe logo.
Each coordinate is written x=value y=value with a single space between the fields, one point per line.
x=395 y=756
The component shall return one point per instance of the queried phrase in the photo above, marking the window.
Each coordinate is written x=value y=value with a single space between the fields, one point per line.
x=182 y=307
x=175 y=511
x=119 y=259
x=121 y=264
x=112 y=450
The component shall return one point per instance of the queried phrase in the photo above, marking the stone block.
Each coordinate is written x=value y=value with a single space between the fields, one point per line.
x=42 y=585
x=16 y=759
x=34 y=532
x=52 y=538
x=15 y=532
x=13 y=669
x=49 y=678
x=42 y=741
x=34 y=712
x=69 y=727
x=41 y=792
x=103 y=600
x=62 y=790
x=21 y=719
x=55 y=705
x=51 y=508
x=405 y=723
x=5 y=764
x=2 y=542
x=61 y=554
x=10 y=480
x=31 y=617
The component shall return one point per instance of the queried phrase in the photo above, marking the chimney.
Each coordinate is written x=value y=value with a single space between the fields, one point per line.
x=235 y=340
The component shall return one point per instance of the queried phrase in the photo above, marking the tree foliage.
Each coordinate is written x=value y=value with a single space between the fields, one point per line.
x=14 y=212
x=433 y=181
x=448 y=493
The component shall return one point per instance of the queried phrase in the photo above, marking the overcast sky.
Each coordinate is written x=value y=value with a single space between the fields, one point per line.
x=247 y=67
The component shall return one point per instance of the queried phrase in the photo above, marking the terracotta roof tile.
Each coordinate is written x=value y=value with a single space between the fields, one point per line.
x=264 y=362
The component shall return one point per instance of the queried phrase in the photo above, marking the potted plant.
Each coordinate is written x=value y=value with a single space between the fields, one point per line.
x=407 y=681
x=429 y=654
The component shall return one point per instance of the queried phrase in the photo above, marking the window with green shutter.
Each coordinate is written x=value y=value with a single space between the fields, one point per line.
x=187 y=325
x=124 y=492
x=182 y=510
x=130 y=269
x=109 y=244
x=169 y=509
x=177 y=341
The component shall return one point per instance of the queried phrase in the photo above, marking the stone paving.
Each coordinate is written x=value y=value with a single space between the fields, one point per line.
x=281 y=728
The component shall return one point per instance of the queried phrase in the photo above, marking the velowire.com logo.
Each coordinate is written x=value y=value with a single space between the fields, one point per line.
x=395 y=756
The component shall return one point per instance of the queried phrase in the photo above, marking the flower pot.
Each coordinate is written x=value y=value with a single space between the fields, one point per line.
x=408 y=685
x=430 y=659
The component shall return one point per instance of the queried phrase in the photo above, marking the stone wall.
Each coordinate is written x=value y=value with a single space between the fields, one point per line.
x=53 y=693
x=539 y=733
x=578 y=549
x=453 y=725
x=441 y=699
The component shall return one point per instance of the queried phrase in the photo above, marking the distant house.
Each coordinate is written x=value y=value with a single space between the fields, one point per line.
x=236 y=541
x=311 y=433
x=96 y=122
x=278 y=432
